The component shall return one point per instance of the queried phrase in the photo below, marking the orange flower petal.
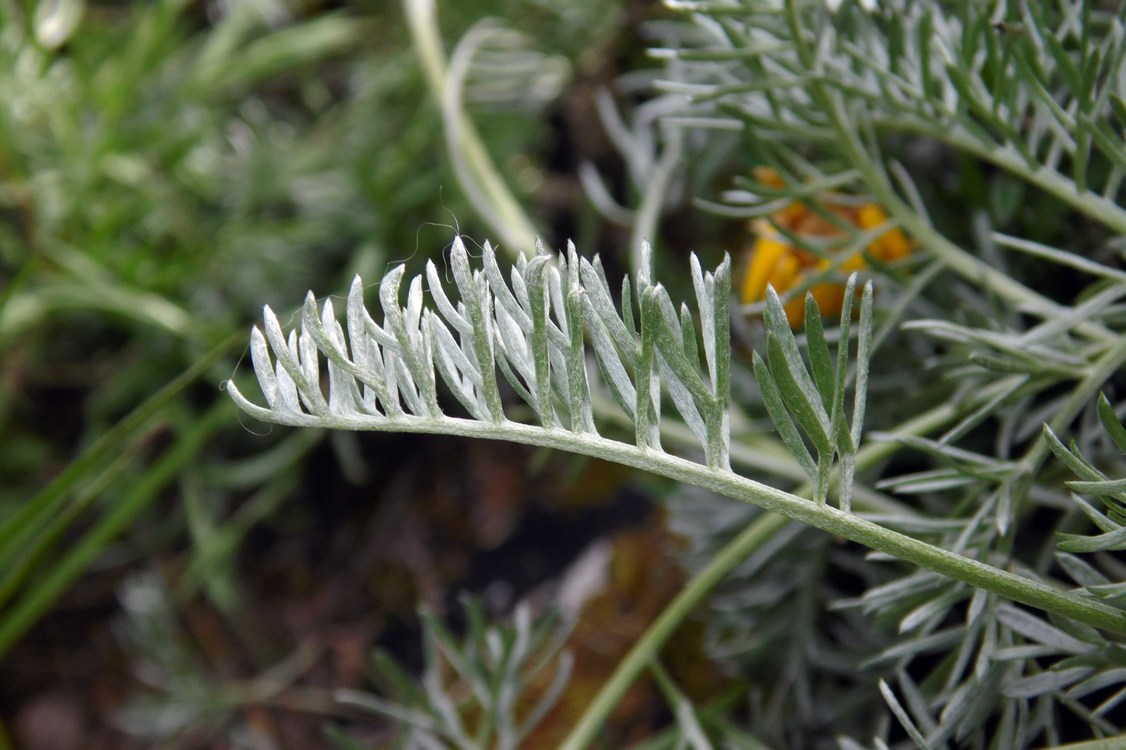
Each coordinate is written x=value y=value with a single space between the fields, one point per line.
x=764 y=257
x=793 y=215
x=891 y=245
x=854 y=263
x=786 y=273
x=870 y=215
x=829 y=298
x=795 y=312
x=777 y=263
x=768 y=176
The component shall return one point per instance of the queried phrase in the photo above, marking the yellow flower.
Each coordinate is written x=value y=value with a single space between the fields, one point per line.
x=776 y=262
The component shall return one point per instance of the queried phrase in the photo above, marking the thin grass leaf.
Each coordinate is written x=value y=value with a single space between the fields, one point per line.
x=901 y=715
x=820 y=362
x=1104 y=487
x=1113 y=541
x=1110 y=422
x=799 y=395
x=1070 y=458
x=1046 y=682
x=863 y=357
x=1039 y=631
x=780 y=416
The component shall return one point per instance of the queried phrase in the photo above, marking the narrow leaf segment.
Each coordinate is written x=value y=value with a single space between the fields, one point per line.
x=533 y=331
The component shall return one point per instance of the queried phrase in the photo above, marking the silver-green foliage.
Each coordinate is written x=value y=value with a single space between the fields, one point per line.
x=1111 y=492
x=1031 y=87
x=490 y=688
x=532 y=329
x=1036 y=90
x=836 y=98
x=533 y=332
x=813 y=397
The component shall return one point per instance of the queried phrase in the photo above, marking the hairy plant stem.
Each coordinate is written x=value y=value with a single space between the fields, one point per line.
x=725 y=482
x=765 y=455
x=826 y=518
x=718 y=568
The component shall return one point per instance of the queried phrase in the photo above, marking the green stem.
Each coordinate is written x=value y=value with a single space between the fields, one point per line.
x=826 y=518
x=645 y=226
x=718 y=568
x=475 y=171
x=654 y=638
x=829 y=519
x=765 y=454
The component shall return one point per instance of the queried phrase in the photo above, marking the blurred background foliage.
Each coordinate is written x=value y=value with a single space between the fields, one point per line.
x=172 y=576
x=166 y=168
